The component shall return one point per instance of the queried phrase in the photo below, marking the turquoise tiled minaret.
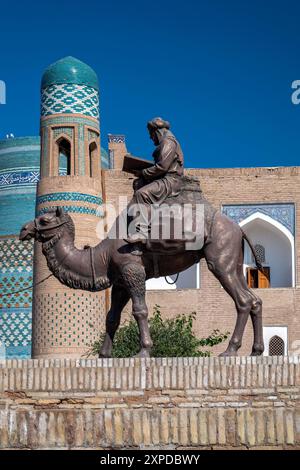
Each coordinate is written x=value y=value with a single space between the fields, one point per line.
x=67 y=321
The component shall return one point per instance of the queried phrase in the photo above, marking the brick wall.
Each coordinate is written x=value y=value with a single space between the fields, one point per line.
x=163 y=403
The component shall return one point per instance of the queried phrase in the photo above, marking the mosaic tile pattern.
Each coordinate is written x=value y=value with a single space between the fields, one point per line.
x=15 y=327
x=15 y=256
x=65 y=120
x=283 y=213
x=63 y=130
x=21 y=287
x=74 y=209
x=64 y=196
x=20 y=178
x=70 y=99
x=116 y=138
x=15 y=310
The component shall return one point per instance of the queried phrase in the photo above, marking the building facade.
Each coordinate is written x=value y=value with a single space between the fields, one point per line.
x=264 y=201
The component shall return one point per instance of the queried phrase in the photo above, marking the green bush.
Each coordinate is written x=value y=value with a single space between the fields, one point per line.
x=171 y=338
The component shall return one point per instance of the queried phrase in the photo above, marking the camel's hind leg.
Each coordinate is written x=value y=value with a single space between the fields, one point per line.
x=224 y=256
x=256 y=318
x=119 y=298
x=243 y=303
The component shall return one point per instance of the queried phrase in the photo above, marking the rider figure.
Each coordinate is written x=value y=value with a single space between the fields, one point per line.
x=159 y=181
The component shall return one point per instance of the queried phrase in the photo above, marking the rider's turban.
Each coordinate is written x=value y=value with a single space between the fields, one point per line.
x=158 y=123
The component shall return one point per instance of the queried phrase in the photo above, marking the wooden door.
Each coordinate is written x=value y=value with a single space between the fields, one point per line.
x=264 y=278
x=257 y=279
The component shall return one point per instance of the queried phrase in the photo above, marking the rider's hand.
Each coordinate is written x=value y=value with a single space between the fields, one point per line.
x=137 y=173
x=138 y=183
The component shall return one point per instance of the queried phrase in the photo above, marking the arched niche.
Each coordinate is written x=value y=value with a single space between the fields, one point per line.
x=94 y=165
x=279 y=246
x=63 y=153
x=275 y=340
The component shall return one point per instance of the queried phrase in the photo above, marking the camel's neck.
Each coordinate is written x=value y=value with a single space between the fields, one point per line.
x=80 y=269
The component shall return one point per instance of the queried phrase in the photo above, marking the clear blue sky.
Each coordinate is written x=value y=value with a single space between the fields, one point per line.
x=220 y=71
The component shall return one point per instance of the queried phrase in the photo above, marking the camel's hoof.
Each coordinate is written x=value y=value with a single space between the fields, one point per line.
x=256 y=353
x=257 y=349
x=228 y=354
x=143 y=353
x=104 y=354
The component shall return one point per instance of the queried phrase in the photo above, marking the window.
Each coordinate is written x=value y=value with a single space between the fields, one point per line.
x=275 y=340
x=276 y=346
x=260 y=253
x=64 y=157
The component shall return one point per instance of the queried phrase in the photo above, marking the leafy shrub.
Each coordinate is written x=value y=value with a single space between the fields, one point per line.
x=171 y=338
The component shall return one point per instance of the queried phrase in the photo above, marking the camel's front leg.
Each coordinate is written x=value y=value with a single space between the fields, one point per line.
x=119 y=298
x=134 y=278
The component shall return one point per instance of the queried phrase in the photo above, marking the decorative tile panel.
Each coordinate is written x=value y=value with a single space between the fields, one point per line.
x=15 y=330
x=15 y=256
x=64 y=196
x=19 y=177
x=69 y=120
x=74 y=209
x=283 y=213
x=70 y=99
x=16 y=290
x=62 y=130
x=116 y=138
x=16 y=280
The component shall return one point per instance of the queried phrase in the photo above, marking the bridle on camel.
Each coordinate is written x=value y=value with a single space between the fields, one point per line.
x=41 y=228
x=37 y=227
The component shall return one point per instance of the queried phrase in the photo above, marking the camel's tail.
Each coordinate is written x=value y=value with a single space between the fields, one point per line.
x=258 y=264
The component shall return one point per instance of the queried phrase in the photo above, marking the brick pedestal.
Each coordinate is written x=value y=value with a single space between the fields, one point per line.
x=157 y=404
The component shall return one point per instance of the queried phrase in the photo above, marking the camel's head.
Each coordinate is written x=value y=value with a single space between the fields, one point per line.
x=44 y=227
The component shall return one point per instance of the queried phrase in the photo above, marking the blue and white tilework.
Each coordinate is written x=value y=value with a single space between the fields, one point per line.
x=18 y=177
x=64 y=196
x=74 y=209
x=283 y=213
x=15 y=297
x=70 y=99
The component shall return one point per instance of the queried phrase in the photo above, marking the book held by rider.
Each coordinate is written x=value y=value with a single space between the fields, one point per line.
x=131 y=164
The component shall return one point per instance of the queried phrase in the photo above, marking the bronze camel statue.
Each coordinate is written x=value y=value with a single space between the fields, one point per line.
x=112 y=263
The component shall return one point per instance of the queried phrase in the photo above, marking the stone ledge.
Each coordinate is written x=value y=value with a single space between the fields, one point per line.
x=158 y=361
x=240 y=375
